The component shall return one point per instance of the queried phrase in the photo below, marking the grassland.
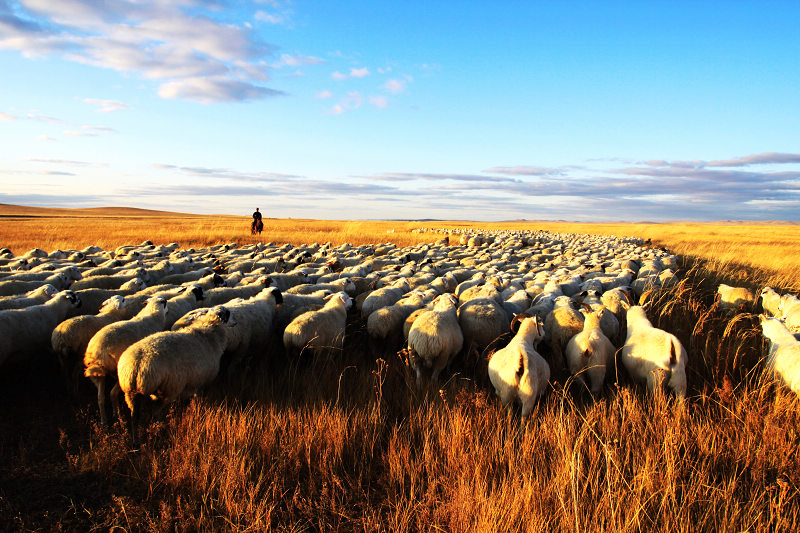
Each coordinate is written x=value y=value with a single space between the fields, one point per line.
x=350 y=445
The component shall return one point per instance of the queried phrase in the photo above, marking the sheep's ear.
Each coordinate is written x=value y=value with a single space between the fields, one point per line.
x=625 y=305
x=587 y=308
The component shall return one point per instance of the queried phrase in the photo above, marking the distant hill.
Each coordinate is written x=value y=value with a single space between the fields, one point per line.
x=10 y=210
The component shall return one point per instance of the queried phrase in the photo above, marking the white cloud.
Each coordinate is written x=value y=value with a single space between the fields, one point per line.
x=6 y=116
x=45 y=118
x=269 y=17
x=296 y=60
x=213 y=89
x=106 y=106
x=336 y=75
x=395 y=86
x=379 y=101
x=359 y=72
x=45 y=138
x=324 y=95
x=353 y=100
x=89 y=131
x=174 y=42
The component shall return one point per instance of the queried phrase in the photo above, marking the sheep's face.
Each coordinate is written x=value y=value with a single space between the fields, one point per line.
x=157 y=304
x=772 y=326
x=197 y=291
x=113 y=303
x=222 y=315
x=343 y=296
x=72 y=298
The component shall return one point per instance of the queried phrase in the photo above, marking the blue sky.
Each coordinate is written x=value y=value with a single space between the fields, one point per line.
x=587 y=111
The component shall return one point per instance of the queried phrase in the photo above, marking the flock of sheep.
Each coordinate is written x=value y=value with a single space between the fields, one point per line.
x=162 y=322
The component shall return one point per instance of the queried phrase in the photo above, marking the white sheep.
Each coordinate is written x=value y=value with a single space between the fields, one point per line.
x=608 y=321
x=517 y=371
x=563 y=323
x=220 y=295
x=319 y=330
x=185 y=277
x=92 y=299
x=435 y=337
x=384 y=297
x=386 y=324
x=12 y=287
x=171 y=365
x=295 y=305
x=105 y=347
x=71 y=271
x=771 y=301
x=70 y=338
x=590 y=353
x=790 y=311
x=483 y=321
x=27 y=331
x=338 y=285
x=35 y=297
x=784 y=352
x=179 y=305
x=652 y=355
x=255 y=324
x=733 y=299
x=111 y=281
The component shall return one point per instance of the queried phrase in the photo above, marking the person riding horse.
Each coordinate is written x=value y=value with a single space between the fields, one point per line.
x=257 y=226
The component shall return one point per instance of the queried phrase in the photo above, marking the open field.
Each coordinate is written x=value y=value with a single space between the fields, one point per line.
x=349 y=444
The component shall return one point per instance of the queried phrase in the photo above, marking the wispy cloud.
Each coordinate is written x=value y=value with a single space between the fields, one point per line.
x=324 y=95
x=64 y=162
x=44 y=118
x=279 y=12
x=524 y=170
x=298 y=60
x=6 y=116
x=229 y=174
x=186 y=46
x=766 y=158
x=379 y=101
x=106 y=106
x=417 y=176
x=89 y=131
x=395 y=86
x=353 y=100
x=354 y=73
x=214 y=89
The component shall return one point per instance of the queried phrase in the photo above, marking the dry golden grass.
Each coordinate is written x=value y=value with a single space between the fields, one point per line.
x=350 y=445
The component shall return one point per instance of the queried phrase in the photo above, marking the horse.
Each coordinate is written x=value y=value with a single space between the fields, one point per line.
x=256 y=227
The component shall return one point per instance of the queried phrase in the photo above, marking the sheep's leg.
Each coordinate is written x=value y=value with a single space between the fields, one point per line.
x=115 y=399
x=100 y=383
x=438 y=366
x=134 y=402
